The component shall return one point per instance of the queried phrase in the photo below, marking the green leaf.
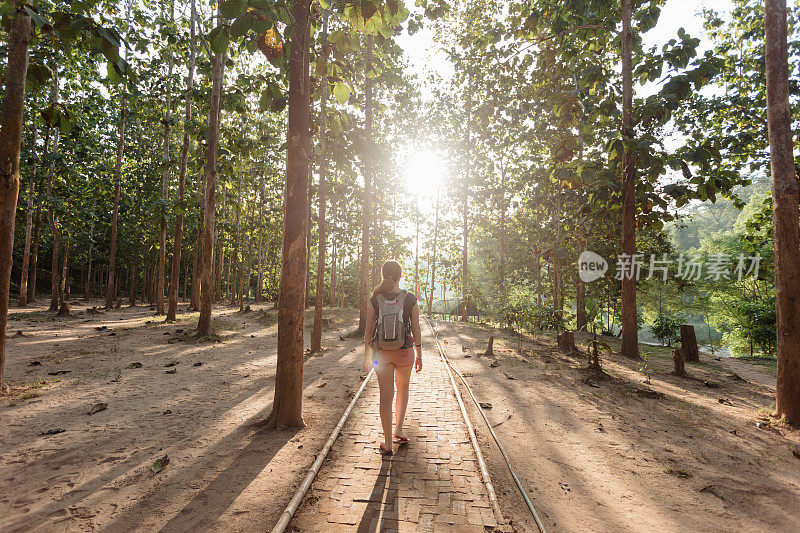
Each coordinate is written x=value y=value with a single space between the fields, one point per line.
x=36 y=17
x=160 y=464
x=240 y=26
x=219 y=38
x=279 y=104
x=368 y=8
x=231 y=9
x=341 y=91
x=325 y=4
x=38 y=76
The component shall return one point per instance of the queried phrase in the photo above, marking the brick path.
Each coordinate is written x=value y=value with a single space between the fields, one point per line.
x=431 y=484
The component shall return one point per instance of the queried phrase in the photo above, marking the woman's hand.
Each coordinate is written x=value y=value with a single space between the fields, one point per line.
x=367 y=364
x=418 y=361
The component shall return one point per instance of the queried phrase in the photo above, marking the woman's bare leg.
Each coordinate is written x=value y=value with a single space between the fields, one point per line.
x=385 y=375
x=402 y=378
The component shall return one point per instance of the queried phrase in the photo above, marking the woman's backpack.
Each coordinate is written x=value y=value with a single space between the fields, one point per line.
x=390 y=331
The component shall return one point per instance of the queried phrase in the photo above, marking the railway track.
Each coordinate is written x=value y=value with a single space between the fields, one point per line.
x=299 y=495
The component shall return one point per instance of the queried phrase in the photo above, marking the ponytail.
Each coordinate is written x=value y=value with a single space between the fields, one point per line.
x=391 y=272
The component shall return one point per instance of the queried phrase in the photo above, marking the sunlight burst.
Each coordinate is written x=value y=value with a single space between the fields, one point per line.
x=424 y=170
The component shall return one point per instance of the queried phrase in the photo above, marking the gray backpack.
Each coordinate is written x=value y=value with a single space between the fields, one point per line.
x=390 y=331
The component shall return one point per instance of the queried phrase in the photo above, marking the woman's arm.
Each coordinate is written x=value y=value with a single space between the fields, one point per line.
x=369 y=331
x=417 y=337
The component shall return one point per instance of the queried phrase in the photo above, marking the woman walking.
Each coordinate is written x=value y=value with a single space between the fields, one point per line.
x=393 y=345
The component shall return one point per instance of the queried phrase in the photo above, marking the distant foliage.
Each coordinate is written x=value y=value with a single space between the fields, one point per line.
x=666 y=328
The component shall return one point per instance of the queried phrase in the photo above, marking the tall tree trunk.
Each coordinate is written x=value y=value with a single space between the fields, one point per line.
x=220 y=259
x=63 y=290
x=416 y=248
x=316 y=332
x=580 y=293
x=220 y=254
x=502 y=238
x=435 y=246
x=194 y=304
x=630 y=332
x=162 y=250
x=209 y=197
x=112 y=257
x=37 y=219
x=785 y=214
x=132 y=292
x=235 y=267
x=87 y=290
x=52 y=219
x=248 y=270
x=260 y=277
x=26 y=253
x=363 y=281
x=176 y=249
x=288 y=402
x=19 y=36
x=333 y=257
x=465 y=229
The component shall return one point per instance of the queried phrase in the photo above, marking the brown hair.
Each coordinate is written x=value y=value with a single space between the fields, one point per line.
x=391 y=272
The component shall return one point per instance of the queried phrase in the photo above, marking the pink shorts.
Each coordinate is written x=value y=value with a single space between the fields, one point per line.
x=398 y=358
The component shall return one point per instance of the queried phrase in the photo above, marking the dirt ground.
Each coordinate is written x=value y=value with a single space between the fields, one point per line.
x=598 y=453
x=224 y=471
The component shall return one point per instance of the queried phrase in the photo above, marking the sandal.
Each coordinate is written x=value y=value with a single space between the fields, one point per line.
x=384 y=451
x=400 y=440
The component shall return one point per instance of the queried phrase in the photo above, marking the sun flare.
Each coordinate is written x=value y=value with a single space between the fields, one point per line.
x=424 y=170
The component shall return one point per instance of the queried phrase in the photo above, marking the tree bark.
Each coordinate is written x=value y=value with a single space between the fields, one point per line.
x=87 y=290
x=435 y=246
x=465 y=229
x=52 y=219
x=785 y=214
x=316 y=332
x=363 y=281
x=689 y=344
x=677 y=362
x=178 y=235
x=630 y=333
x=132 y=291
x=26 y=253
x=235 y=267
x=112 y=257
x=209 y=197
x=580 y=295
x=194 y=304
x=63 y=290
x=37 y=219
x=249 y=269
x=10 y=143
x=502 y=237
x=288 y=402
x=260 y=276
x=162 y=250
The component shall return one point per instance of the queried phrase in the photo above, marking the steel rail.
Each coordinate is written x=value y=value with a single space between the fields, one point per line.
x=297 y=499
x=491 y=429
x=473 y=438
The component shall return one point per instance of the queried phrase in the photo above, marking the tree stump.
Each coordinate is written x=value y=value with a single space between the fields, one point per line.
x=594 y=357
x=490 y=348
x=689 y=344
x=566 y=341
x=677 y=360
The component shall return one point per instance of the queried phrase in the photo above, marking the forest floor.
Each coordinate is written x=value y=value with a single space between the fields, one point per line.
x=225 y=472
x=597 y=452
x=600 y=452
